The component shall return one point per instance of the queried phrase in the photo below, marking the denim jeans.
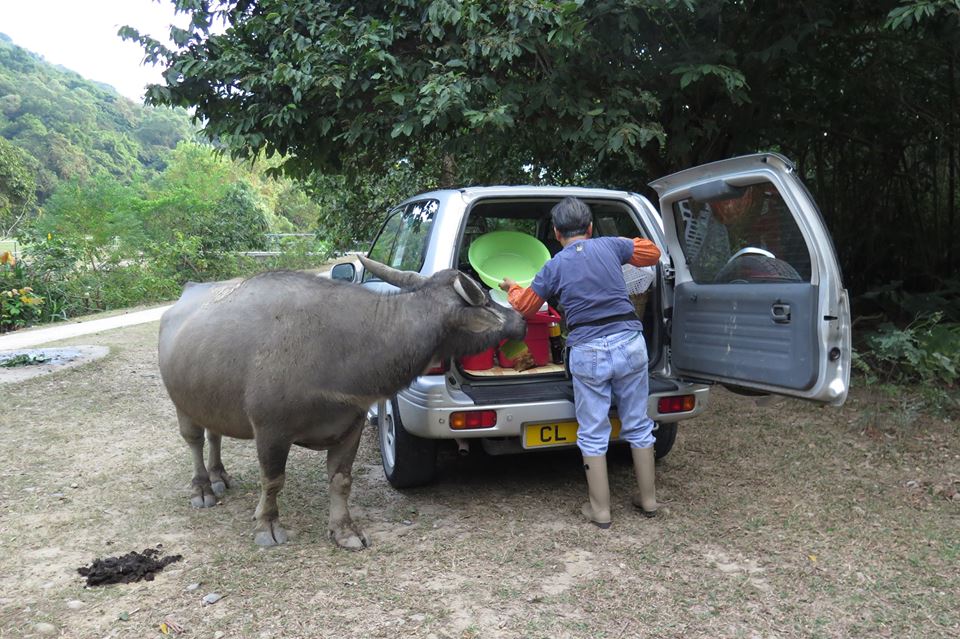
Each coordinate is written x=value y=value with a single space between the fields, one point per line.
x=609 y=369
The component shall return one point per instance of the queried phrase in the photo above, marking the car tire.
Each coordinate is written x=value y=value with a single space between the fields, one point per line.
x=666 y=435
x=408 y=460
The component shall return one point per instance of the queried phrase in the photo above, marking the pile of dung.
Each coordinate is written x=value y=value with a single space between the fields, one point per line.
x=131 y=567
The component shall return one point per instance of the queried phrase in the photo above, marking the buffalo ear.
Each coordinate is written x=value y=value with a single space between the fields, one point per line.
x=480 y=320
x=401 y=279
x=469 y=290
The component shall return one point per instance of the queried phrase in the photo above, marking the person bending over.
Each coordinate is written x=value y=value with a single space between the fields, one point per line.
x=608 y=355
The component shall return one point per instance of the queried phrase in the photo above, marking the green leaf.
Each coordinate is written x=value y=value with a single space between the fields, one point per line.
x=616 y=142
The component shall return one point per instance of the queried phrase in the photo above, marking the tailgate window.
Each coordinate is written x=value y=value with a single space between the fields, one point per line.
x=750 y=237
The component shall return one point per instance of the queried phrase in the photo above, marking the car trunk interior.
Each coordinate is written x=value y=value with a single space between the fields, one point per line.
x=532 y=217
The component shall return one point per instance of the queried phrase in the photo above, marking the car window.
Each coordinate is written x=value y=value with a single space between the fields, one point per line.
x=507 y=224
x=613 y=220
x=383 y=245
x=750 y=237
x=479 y=225
x=402 y=243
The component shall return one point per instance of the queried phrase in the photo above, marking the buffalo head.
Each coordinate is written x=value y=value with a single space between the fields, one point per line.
x=472 y=321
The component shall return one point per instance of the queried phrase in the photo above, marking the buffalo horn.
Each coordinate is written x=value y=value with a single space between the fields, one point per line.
x=400 y=279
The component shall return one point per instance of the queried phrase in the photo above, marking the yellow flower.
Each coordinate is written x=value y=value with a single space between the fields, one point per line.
x=7 y=258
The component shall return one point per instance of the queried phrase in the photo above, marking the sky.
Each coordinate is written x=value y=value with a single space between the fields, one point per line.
x=81 y=35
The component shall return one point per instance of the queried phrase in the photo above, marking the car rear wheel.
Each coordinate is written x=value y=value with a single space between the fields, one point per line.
x=408 y=460
x=665 y=435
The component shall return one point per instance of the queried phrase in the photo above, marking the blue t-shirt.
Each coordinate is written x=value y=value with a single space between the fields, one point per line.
x=588 y=277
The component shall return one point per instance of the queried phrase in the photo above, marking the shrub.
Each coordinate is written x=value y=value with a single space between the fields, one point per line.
x=926 y=351
x=18 y=307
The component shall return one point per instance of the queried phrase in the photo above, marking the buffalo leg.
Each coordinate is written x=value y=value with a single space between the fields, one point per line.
x=343 y=531
x=219 y=479
x=201 y=492
x=272 y=454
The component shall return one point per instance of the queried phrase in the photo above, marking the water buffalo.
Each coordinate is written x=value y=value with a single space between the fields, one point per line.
x=288 y=358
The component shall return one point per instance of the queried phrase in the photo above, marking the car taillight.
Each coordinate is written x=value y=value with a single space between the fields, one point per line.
x=473 y=419
x=676 y=404
x=438 y=368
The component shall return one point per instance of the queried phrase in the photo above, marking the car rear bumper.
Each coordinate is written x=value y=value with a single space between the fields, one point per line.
x=425 y=408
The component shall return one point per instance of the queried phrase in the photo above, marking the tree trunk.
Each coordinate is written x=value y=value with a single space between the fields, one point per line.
x=951 y=160
x=448 y=172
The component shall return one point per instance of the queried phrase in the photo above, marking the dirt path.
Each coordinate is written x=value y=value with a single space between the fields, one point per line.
x=784 y=521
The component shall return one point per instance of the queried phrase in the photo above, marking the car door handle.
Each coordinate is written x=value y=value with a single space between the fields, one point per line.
x=780 y=313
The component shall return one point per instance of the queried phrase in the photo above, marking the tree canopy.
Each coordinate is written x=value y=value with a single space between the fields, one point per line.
x=861 y=94
x=336 y=86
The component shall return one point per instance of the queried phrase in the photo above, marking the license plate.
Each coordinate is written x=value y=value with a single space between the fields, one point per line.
x=545 y=434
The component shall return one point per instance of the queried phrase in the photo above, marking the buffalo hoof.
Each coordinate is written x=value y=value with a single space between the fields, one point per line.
x=206 y=500
x=350 y=538
x=274 y=536
x=220 y=482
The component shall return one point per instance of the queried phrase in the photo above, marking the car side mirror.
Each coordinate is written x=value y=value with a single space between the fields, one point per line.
x=345 y=272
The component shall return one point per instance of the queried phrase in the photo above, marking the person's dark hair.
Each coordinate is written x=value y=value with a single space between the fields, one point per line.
x=571 y=217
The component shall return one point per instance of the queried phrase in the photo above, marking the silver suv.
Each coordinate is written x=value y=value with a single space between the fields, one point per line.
x=748 y=293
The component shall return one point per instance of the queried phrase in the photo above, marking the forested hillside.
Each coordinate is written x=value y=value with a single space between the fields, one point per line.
x=73 y=129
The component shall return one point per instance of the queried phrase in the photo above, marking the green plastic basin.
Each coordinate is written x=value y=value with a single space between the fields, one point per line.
x=501 y=254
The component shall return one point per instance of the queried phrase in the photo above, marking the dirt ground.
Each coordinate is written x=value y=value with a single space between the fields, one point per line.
x=784 y=520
